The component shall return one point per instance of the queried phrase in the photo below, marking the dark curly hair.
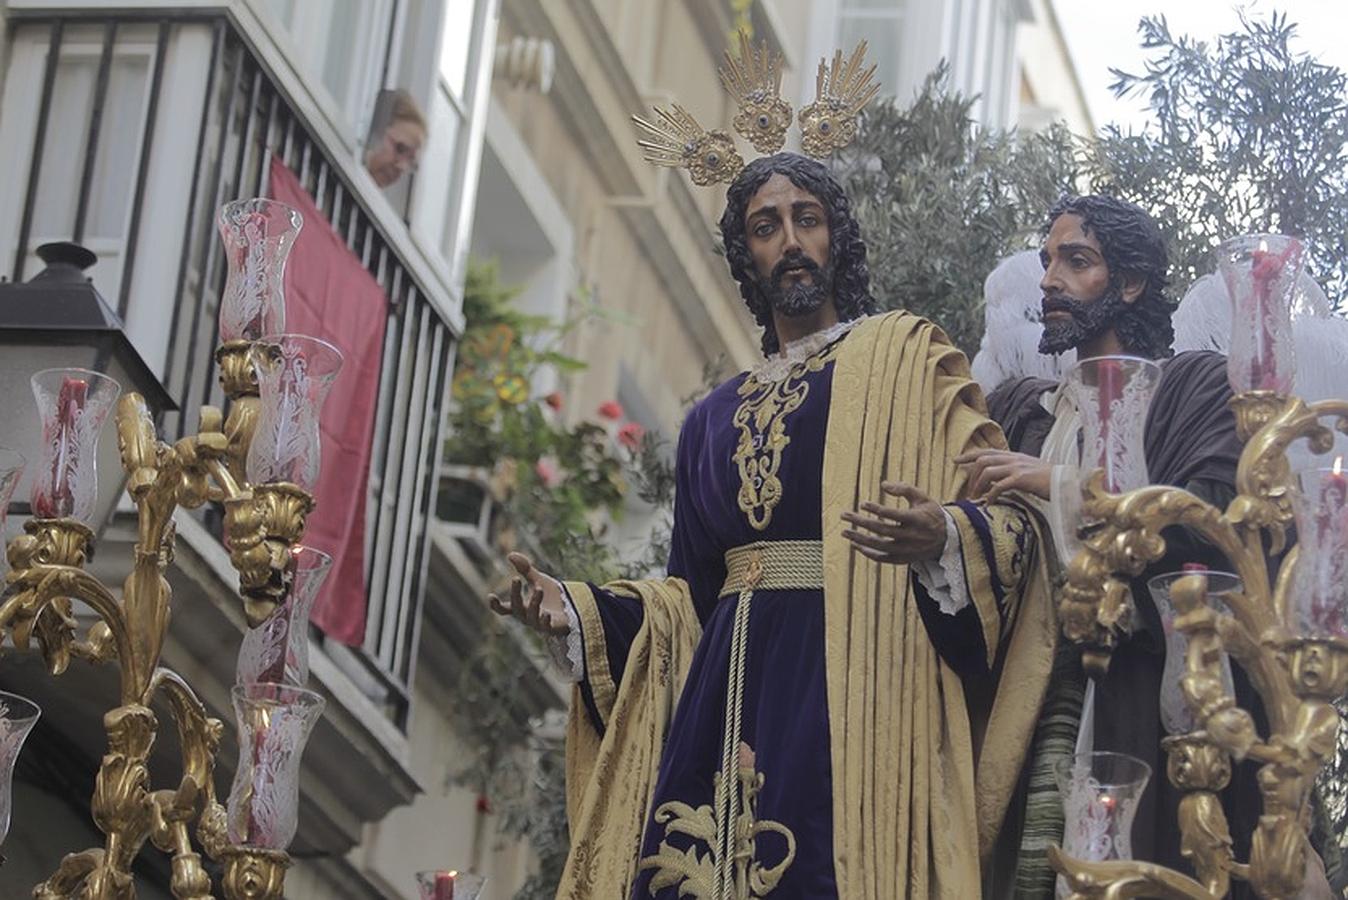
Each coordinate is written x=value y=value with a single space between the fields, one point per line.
x=1132 y=244
x=847 y=252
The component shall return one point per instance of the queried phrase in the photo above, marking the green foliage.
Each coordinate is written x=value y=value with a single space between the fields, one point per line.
x=1245 y=136
x=941 y=202
x=558 y=486
x=562 y=480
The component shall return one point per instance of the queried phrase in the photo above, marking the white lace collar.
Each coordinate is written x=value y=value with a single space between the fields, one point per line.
x=777 y=366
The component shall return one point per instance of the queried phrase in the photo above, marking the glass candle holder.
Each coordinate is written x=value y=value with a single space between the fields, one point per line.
x=274 y=724
x=73 y=404
x=258 y=235
x=1320 y=588
x=1176 y=715
x=447 y=884
x=17 y=718
x=278 y=649
x=1113 y=394
x=294 y=374
x=1100 y=794
x=1261 y=273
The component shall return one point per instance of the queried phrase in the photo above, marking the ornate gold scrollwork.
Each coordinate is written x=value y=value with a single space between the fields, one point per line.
x=1124 y=879
x=45 y=577
x=238 y=377
x=263 y=528
x=1296 y=677
x=1200 y=768
x=254 y=874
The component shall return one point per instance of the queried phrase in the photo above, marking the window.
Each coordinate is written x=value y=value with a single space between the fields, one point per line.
x=880 y=24
x=339 y=43
x=74 y=96
x=456 y=37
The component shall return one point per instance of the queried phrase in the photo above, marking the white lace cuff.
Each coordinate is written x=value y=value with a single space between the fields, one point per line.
x=566 y=650
x=944 y=579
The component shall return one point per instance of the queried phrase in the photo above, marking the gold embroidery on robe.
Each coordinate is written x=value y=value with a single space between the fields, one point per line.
x=695 y=874
x=761 y=420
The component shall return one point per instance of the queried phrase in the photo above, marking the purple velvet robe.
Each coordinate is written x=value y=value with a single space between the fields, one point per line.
x=785 y=712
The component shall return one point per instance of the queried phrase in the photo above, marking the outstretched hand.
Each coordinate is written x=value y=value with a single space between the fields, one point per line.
x=889 y=534
x=993 y=472
x=535 y=599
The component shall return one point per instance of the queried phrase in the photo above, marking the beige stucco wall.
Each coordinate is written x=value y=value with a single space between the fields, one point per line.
x=1049 y=87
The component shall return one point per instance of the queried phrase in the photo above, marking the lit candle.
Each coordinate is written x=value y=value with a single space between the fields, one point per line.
x=1109 y=389
x=444 y=885
x=1266 y=269
x=58 y=500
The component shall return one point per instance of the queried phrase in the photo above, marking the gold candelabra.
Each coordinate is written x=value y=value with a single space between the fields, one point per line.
x=1297 y=677
x=263 y=524
x=275 y=385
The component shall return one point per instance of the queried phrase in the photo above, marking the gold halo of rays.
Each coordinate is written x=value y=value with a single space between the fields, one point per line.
x=674 y=138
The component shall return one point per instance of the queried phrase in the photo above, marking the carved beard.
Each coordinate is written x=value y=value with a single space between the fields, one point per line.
x=798 y=298
x=1090 y=319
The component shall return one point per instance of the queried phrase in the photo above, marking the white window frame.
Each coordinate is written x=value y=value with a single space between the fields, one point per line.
x=29 y=54
x=363 y=75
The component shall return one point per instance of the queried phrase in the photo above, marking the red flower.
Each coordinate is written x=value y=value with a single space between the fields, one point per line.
x=546 y=471
x=483 y=804
x=611 y=410
x=630 y=435
x=554 y=400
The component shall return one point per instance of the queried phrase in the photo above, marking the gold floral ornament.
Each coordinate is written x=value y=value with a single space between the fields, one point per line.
x=841 y=91
x=679 y=141
x=755 y=81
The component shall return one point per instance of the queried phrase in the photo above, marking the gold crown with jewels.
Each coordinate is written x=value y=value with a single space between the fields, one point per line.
x=754 y=79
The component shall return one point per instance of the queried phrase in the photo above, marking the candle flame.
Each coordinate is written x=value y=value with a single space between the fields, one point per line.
x=1338 y=465
x=1263 y=246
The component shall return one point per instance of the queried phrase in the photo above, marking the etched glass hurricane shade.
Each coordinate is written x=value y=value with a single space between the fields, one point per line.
x=1113 y=394
x=1176 y=715
x=274 y=724
x=74 y=404
x=1100 y=794
x=278 y=649
x=258 y=235
x=447 y=884
x=294 y=373
x=17 y=718
x=1261 y=273
x=1320 y=598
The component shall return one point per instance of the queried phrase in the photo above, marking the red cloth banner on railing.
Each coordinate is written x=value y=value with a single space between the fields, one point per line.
x=331 y=295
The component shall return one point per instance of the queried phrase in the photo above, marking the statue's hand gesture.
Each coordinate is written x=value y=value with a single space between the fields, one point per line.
x=535 y=599
x=991 y=472
x=889 y=534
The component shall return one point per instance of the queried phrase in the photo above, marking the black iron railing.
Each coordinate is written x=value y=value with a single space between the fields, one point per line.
x=247 y=120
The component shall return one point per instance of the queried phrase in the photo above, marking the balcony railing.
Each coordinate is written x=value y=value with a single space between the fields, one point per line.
x=244 y=120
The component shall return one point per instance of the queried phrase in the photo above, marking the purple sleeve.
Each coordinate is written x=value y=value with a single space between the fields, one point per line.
x=693 y=557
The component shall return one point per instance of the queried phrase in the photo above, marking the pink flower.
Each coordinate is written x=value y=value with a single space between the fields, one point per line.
x=630 y=435
x=612 y=409
x=554 y=400
x=546 y=470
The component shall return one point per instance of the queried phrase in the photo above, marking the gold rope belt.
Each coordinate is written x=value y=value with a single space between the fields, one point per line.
x=761 y=566
x=774 y=566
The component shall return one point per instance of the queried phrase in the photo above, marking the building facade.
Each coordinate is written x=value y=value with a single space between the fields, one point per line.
x=124 y=128
x=128 y=125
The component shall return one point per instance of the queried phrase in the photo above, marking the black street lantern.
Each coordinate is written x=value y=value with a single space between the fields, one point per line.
x=59 y=320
